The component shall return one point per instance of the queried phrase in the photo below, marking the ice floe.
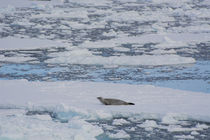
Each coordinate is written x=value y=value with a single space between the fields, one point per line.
x=83 y=95
x=39 y=108
x=16 y=43
x=86 y=57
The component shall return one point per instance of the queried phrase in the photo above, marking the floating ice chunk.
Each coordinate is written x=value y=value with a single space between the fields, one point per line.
x=92 y=2
x=119 y=135
x=148 y=125
x=173 y=118
x=194 y=133
x=40 y=125
x=162 y=52
x=169 y=43
x=108 y=127
x=16 y=59
x=202 y=126
x=28 y=127
x=131 y=129
x=76 y=13
x=110 y=33
x=83 y=56
x=192 y=29
x=172 y=2
x=13 y=43
x=28 y=3
x=205 y=28
x=87 y=130
x=125 y=16
x=121 y=49
x=184 y=137
x=119 y=122
x=99 y=44
x=178 y=128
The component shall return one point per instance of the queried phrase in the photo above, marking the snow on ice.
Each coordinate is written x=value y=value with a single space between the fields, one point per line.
x=64 y=109
x=76 y=102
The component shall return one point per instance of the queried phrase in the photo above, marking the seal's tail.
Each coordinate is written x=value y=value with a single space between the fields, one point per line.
x=131 y=104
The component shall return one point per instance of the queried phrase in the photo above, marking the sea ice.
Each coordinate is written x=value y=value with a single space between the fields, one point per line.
x=15 y=43
x=83 y=56
x=27 y=3
x=119 y=135
x=80 y=97
x=120 y=122
x=75 y=102
x=184 y=137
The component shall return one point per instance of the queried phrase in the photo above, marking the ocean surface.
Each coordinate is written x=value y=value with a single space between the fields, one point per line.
x=136 y=42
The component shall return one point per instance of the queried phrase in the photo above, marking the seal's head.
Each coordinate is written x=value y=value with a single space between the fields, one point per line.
x=100 y=98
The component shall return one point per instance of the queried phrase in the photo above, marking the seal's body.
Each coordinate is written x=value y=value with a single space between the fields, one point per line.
x=110 y=101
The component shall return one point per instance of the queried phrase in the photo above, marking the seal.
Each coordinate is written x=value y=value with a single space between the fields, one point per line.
x=110 y=101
